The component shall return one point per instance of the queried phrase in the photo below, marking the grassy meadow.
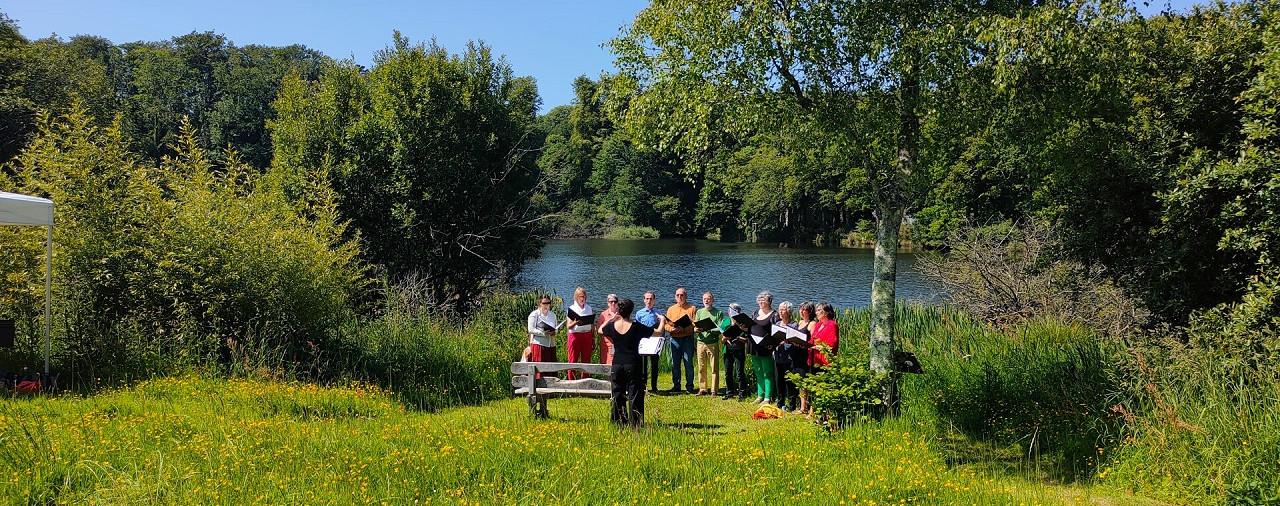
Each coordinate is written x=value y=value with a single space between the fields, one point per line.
x=191 y=439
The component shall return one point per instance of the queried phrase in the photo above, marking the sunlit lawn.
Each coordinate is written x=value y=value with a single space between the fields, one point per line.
x=193 y=440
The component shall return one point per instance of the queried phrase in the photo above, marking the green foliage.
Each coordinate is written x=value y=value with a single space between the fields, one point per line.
x=428 y=361
x=428 y=156
x=1041 y=387
x=44 y=75
x=631 y=232
x=597 y=178
x=160 y=267
x=845 y=392
x=1202 y=416
x=224 y=90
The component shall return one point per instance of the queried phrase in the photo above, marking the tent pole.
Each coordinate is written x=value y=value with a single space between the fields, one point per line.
x=48 y=292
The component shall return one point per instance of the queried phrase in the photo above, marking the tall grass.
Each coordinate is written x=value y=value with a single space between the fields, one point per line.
x=433 y=363
x=1199 y=431
x=192 y=440
x=1038 y=393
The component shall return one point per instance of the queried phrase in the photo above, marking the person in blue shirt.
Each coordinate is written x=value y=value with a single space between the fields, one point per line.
x=650 y=317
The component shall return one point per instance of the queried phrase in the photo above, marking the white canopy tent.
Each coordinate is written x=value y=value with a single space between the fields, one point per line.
x=25 y=210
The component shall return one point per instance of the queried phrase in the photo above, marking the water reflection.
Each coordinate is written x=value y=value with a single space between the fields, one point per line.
x=735 y=272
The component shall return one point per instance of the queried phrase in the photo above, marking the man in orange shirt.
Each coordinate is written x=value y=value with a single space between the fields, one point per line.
x=683 y=344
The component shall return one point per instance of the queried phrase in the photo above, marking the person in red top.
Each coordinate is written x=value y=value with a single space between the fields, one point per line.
x=825 y=331
x=606 y=316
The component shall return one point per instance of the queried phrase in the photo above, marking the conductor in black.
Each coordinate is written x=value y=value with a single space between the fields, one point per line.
x=627 y=373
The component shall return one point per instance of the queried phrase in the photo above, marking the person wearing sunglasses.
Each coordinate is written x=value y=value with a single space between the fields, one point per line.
x=606 y=344
x=682 y=340
x=542 y=326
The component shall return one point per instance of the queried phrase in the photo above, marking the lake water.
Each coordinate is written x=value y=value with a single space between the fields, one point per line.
x=734 y=272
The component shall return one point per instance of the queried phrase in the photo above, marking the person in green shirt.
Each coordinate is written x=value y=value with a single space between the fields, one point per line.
x=709 y=344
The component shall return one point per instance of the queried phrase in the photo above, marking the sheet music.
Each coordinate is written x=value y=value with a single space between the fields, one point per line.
x=789 y=332
x=652 y=345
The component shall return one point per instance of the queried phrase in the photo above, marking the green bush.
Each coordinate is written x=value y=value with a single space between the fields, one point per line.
x=846 y=391
x=158 y=268
x=632 y=232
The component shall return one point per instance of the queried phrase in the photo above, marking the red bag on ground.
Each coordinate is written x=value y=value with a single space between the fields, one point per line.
x=29 y=386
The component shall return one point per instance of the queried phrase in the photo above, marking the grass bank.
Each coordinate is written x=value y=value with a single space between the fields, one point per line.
x=195 y=440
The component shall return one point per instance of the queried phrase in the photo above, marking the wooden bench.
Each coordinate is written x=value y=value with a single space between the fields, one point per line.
x=537 y=390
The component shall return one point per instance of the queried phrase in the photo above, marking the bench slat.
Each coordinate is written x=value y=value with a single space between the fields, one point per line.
x=560 y=392
x=585 y=383
x=527 y=368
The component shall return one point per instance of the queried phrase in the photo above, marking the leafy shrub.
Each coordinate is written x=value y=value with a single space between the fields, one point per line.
x=632 y=232
x=157 y=268
x=844 y=392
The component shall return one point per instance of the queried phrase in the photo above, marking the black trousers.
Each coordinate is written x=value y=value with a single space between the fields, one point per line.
x=788 y=392
x=626 y=404
x=650 y=365
x=735 y=373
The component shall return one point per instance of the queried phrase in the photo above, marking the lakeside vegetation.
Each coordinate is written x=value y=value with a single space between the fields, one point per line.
x=1098 y=187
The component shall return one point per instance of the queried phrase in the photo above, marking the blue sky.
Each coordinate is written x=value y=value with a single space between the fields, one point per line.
x=552 y=40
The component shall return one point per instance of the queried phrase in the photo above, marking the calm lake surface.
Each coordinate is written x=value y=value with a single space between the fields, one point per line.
x=734 y=272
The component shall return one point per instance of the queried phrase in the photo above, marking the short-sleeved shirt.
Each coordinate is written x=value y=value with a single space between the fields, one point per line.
x=647 y=317
x=626 y=347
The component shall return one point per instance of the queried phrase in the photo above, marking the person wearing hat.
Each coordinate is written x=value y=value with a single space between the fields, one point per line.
x=735 y=359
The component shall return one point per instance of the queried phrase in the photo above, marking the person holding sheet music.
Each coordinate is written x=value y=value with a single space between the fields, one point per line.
x=709 y=321
x=734 y=339
x=679 y=323
x=789 y=356
x=627 y=373
x=808 y=320
x=542 y=327
x=581 y=338
x=649 y=317
x=760 y=347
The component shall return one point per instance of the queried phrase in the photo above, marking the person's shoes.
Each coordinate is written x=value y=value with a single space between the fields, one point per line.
x=653 y=390
x=726 y=396
x=702 y=392
x=742 y=398
x=674 y=390
x=758 y=400
x=692 y=392
x=787 y=409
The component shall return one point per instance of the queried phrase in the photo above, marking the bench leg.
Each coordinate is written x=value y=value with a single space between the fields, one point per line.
x=542 y=402
x=533 y=405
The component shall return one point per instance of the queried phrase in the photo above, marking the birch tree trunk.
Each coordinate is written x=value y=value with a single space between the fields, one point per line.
x=883 y=297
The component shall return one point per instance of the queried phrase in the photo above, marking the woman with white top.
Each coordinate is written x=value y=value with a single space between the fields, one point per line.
x=582 y=336
x=542 y=326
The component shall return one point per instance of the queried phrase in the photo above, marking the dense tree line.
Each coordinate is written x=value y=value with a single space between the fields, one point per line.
x=224 y=90
x=1146 y=142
